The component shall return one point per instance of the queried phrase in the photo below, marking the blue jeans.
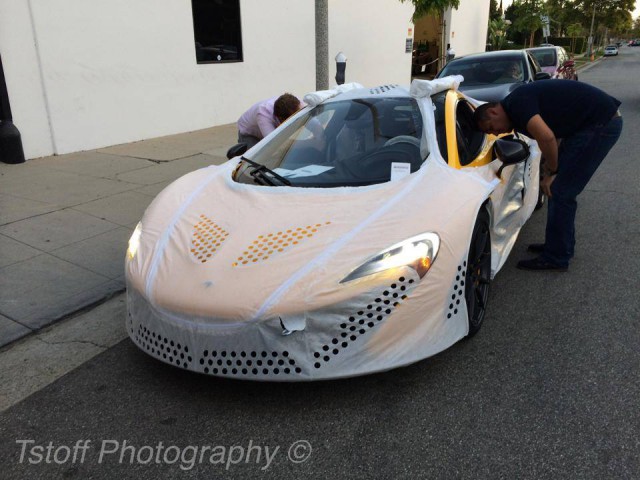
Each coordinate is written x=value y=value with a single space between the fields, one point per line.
x=578 y=158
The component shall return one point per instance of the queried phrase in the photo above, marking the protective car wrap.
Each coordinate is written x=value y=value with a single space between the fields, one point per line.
x=241 y=280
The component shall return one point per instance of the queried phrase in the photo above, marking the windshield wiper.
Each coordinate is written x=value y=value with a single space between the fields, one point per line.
x=263 y=175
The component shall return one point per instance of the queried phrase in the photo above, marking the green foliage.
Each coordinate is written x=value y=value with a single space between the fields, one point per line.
x=572 y=45
x=574 y=30
x=525 y=15
x=635 y=31
x=494 y=10
x=497 y=32
x=431 y=7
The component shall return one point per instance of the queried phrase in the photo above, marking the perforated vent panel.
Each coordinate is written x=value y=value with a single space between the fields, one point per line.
x=250 y=363
x=363 y=320
x=206 y=239
x=382 y=89
x=163 y=347
x=269 y=244
x=457 y=295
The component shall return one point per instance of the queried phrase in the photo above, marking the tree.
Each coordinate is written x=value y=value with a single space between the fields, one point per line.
x=525 y=15
x=431 y=7
x=494 y=10
x=574 y=30
x=498 y=32
x=635 y=31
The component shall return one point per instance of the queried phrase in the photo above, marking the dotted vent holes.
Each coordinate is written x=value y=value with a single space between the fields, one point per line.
x=163 y=347
x=458 y=290
x=364 y=320
x=207 y=238
x=225 y=362
x=382 y=89
x=272 y=243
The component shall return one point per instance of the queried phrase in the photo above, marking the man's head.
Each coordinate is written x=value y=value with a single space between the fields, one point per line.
x=491 y=118
x=285 y=106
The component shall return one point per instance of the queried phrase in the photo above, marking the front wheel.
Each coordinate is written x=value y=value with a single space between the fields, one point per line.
x=541 y=200
x=478 y=274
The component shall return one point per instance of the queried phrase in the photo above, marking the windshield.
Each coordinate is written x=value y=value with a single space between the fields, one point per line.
x=345 y=143
x=546 y=56
x=487 y=71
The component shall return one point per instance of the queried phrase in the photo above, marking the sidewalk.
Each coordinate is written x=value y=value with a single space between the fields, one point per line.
x=65 y=222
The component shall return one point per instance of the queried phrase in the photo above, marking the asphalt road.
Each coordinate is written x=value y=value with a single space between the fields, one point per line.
x=550 y=387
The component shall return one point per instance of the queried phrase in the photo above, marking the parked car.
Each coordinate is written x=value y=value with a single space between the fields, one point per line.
x=610 y=50
x=359 y=236
x=555 y=61
x=491 y=76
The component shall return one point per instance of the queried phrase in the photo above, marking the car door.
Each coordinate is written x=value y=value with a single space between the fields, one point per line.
x=534 y=66
x=515 y=196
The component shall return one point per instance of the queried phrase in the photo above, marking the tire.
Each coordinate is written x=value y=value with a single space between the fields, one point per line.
x=478 y=272
x=541 y=200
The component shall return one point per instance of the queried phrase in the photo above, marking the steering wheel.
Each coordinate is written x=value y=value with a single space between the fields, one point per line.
x=403 y=139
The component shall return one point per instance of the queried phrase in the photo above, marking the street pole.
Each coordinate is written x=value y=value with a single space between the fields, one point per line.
x=10 y=142
x=593 y=17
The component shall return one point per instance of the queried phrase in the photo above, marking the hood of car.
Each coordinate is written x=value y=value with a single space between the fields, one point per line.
x=489 y=93
x=211 y=247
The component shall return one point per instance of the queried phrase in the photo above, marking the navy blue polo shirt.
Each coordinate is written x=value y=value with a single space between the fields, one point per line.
x=566 y=106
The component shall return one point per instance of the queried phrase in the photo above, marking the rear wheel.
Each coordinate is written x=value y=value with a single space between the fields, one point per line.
x=478 y=274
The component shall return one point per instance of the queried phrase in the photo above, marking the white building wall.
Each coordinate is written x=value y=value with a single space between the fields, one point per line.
x=122 y=70
x=372 y=34
x=84 y=74
x=22 y=75
x=467 y=27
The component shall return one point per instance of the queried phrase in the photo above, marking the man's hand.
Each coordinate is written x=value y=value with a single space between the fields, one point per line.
x=545 y=184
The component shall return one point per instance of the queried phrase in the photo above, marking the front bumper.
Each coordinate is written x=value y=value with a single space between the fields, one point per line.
x=364 y=335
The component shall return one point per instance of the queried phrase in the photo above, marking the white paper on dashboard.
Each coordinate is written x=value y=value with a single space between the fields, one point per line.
x=399 y=170
x=308 y=171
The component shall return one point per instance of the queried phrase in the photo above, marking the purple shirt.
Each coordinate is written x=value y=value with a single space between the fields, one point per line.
x=259 y=121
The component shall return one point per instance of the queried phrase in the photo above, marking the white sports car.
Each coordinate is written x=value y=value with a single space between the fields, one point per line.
x=359 y=236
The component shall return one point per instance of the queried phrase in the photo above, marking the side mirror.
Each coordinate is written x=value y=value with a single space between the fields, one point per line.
x=237 y=150
x=511 y=151
x=542 y=76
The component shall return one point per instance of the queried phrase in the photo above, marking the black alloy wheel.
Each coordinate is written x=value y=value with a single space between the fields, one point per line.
x=478 y=274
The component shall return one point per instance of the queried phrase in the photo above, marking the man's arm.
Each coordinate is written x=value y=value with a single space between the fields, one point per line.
x=265 y=118
x=547 y=142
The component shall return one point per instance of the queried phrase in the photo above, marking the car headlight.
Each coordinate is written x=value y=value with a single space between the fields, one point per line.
x=417 y=252
x=134 y=241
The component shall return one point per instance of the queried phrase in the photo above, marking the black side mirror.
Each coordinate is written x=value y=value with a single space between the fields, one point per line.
x=542 y=76
x=511 y=151
x=237 y=150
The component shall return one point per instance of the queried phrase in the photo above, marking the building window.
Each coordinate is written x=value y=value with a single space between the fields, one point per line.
x=216 y=27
